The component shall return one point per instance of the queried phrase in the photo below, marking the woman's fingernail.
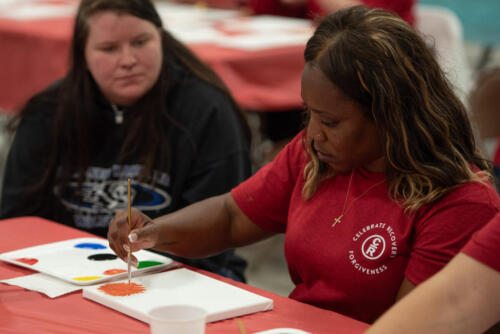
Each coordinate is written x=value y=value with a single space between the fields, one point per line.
x=126 y=247
x=132 y=237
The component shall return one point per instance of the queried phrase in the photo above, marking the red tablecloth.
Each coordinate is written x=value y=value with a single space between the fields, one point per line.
x=35 y=53
x=23 y=311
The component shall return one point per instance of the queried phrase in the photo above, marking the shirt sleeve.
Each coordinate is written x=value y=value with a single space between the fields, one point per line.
x=26 y=162
x=483 y=246
x=445 y=229
x=265 y=197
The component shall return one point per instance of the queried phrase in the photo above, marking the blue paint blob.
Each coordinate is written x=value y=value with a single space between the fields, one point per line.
x=90 y=246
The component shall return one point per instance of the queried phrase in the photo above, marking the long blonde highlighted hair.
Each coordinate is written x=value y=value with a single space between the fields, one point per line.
x=379 y=61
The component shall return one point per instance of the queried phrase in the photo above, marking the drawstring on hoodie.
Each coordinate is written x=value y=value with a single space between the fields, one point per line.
x=118 y=114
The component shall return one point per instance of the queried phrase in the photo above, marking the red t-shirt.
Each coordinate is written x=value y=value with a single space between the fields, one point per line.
x=496 y=157
x=483 y=246
x=356 y=268
x=404 y=8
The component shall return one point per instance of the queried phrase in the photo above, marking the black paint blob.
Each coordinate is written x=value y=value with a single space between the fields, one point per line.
x=102 y=257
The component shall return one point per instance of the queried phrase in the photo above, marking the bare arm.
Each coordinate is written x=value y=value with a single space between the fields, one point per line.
x=199 y=230
x=405 y=288
x=464 y=297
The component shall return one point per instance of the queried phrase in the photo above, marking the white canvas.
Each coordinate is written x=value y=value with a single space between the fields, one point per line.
x=183 y=287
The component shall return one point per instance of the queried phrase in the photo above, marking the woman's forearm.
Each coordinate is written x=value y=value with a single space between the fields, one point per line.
x=206 y=228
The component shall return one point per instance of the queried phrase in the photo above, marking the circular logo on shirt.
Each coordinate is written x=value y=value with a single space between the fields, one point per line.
x=373 y=247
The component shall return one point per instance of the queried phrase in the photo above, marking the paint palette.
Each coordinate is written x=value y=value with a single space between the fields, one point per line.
x=179 y=286
x=83 y=261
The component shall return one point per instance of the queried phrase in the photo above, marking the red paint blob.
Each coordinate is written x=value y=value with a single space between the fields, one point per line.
x=114 y=271
x=122 y=289
x=27 y=260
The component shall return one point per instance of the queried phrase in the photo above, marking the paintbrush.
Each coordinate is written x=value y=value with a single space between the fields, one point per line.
x=129 y=213
x=241 y=327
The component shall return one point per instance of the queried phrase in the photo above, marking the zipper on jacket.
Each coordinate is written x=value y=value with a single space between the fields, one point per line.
x=118 y=114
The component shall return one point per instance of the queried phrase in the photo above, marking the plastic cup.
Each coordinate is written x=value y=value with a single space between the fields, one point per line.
x=177 y=319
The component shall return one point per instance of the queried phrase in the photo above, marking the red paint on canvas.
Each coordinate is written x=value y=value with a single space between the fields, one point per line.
x=27 y=260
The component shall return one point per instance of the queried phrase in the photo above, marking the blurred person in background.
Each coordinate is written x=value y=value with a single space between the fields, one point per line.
x=463 y=298
x=485 y=109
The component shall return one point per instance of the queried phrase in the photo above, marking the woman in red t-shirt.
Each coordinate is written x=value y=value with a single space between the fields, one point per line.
x=311 y=8
x=377 y=194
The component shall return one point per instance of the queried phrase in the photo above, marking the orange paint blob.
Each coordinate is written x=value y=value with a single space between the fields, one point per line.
x=122 y=289
x=114 y=271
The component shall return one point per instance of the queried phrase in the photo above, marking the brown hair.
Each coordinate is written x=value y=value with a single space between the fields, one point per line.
x=379 y=61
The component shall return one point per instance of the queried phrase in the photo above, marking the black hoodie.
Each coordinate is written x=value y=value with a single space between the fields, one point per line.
x=207 y=158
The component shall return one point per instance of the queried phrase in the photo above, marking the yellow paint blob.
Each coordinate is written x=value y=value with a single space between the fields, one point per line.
x=86 y=278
